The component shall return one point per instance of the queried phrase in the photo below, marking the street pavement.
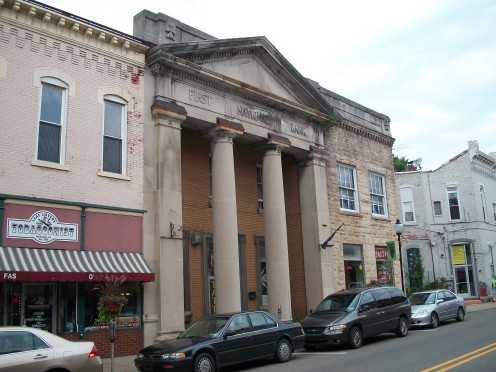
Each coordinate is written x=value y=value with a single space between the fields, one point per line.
x=126 y=363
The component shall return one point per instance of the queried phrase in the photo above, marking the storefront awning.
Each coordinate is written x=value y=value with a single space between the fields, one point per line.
x=48 y=265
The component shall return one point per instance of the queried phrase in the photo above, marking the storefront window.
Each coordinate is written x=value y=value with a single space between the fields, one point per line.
x=129 y=315
x=10 y=304
x=67 y=306
x=353 y=266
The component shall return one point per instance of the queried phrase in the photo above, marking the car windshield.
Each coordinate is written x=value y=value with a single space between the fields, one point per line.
x=206 y=328
x=423 y=298
x=339 y=302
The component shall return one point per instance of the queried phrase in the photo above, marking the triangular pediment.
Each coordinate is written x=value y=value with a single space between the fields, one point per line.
x=250 y=64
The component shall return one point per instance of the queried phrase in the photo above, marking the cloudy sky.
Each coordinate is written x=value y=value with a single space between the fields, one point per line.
x=430 y=65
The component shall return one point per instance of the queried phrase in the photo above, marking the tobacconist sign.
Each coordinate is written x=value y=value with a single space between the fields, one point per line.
x=43 y=227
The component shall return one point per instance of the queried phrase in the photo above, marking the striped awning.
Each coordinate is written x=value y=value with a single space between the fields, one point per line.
x=36 y=265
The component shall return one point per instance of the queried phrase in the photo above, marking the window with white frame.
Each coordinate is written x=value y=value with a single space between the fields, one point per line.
x=114 y=135
x=494 y=211
x=453 y=202
x=52 y=120
x=377 y=194
x=406 y=195
x=347 y=188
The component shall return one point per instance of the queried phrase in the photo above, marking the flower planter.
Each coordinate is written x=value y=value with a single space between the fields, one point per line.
x=112 y=307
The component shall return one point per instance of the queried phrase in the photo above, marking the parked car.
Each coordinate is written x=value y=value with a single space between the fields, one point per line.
x=351 y=315
x=30 y=349
x=432 y=307
x=220 y=340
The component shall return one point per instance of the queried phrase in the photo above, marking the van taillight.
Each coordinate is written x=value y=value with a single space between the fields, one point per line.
x=94 y=352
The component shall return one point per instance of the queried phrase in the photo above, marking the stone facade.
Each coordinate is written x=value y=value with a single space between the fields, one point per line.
x=453 y=225
x=222 y=111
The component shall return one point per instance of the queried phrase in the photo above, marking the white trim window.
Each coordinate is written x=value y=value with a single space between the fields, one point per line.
x=52 y=120
x=494 y=211
x=483 y=202
x=453 y=202
x=377 y=195
x=407 y=204
x=348 y=198
x=114 y=135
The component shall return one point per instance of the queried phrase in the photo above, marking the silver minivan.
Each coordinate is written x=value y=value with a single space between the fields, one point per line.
x=349 y=316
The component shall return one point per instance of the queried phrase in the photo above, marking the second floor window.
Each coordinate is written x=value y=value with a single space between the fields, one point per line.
x=377 y=194
x=453 y=202
x=52 y=121
x=114 y=135
x=347 y=188
x=406 y=195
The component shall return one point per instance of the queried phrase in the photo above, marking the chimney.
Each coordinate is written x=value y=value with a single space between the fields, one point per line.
x=411 y=168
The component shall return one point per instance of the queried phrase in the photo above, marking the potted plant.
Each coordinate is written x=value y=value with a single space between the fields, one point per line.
x=110 y=300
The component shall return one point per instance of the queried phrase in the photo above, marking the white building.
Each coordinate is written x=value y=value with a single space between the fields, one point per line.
x=449 y=218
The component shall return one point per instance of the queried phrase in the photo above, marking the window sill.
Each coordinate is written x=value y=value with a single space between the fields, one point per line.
x=380 y=217
x=114 y=175
x=350 y=213
x=47 y=164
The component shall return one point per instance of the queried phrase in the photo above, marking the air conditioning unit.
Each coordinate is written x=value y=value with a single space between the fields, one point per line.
x=196 y=239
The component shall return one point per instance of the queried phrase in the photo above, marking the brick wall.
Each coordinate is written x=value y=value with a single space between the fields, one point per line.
x=127 y=341
x=197 y=216
x=27 y=52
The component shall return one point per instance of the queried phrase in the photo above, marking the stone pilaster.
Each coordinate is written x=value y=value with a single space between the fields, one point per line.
x=168 y=118
x=314 y=206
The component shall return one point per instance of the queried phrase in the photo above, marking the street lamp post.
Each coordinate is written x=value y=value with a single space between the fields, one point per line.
x=398 y=228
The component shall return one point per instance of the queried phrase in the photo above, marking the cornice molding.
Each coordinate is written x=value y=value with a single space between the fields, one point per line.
x=73 y=30
x=363 y=132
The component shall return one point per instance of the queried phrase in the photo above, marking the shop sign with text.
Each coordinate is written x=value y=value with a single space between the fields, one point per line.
x=43 y=227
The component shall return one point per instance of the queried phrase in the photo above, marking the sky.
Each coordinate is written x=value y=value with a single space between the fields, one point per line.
x=429 y=65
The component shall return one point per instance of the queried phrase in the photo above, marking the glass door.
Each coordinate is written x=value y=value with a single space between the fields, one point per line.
x=463 y=270
x=39 y=309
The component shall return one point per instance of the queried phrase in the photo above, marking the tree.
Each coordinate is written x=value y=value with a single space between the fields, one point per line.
x=400 y=164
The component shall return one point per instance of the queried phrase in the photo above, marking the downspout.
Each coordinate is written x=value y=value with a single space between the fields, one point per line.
x=2 y=208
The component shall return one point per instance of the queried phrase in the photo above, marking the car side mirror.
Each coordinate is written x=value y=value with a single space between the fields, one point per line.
x=439 y=301
x=364 y=307
x=230 y=332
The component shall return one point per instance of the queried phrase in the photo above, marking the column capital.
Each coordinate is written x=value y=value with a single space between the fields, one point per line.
x=164 y=110
x=226 y=128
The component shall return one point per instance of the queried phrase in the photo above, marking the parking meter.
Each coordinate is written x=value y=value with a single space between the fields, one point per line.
x=112 y=330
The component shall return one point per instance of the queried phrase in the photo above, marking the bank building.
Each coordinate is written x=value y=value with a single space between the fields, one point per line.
x=234 y=171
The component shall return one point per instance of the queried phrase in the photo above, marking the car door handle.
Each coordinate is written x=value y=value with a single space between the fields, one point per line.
x=40 y=356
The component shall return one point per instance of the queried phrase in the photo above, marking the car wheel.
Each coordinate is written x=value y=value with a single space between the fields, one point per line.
x=283 y=351
x=204 y=363
x=460 y=315
x=434 y=320
x=402 y=330
x=355 y=337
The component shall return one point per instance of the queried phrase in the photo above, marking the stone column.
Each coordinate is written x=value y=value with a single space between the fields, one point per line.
x=315 y=227
x=225 y=229
x=276 y=237
x=168 y=118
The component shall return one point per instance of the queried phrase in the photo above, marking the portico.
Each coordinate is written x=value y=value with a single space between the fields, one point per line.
x=226 y=108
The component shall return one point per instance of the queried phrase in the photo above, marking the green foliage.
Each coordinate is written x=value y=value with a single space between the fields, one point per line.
x=333 y=118
x=400 y=164
x=417 y=280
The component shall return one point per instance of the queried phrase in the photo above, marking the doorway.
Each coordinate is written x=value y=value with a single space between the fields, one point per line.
x=39 y=309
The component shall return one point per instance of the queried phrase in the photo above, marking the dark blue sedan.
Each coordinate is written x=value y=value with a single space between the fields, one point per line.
x=220 y=340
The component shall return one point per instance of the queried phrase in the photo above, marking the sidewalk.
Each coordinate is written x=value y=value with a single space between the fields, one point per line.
x=126 y=363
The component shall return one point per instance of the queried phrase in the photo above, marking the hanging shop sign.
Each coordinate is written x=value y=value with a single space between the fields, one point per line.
x=43 y=227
